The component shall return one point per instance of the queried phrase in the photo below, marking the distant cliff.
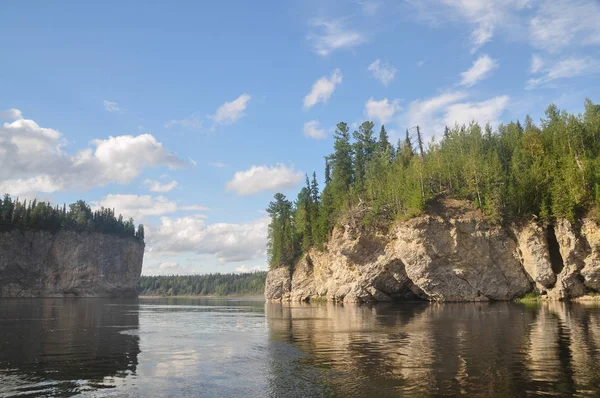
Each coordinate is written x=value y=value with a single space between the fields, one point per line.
x=69 y=263
x=448 y=254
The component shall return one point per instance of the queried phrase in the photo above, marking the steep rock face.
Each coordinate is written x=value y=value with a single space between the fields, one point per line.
x=448 y=254
x=66 y=263
x=535 y=255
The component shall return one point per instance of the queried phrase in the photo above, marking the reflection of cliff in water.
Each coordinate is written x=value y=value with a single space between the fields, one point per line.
x=474 y=349
x=67 y=346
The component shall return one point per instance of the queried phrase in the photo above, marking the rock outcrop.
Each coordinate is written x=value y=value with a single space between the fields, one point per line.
x=66 y=263
x=449 y=254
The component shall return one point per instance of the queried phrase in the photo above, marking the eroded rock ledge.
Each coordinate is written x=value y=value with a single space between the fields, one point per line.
x=449 y=254
x=66 y=263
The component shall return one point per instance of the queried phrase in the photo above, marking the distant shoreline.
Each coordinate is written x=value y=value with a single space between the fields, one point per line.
x=203 y=296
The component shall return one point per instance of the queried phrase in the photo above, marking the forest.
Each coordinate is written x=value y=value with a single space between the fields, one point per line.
x=38 y=216
x=209 y=284
x=547 y=171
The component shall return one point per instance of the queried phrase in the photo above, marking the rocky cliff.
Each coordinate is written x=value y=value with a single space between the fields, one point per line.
x=449 y=254
x=66 y=263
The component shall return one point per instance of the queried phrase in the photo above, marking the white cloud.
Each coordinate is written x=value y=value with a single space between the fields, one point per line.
x=383 y=110
x=323 y=89
x=537 y=63
x=169 y=265
x=314 y=130
x=111 y=106
x=11 y=114
x=562 y=23
x=264 y=178
x=565 y=69
x=481 y=69
x=192 y=122
x=447 y=109
x=383 y=72
x=483 y=112
x=231 y=112
x=244 y=269
x=228 y=242
x=484 y=17
x=422 y=112
x=157 y=186
x=34 y=157
x=333 y=35
x=140 y=207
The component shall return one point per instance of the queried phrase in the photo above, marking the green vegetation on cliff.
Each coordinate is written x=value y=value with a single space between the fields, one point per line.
x=210 y=284
x=17 y=215
x=550 y=171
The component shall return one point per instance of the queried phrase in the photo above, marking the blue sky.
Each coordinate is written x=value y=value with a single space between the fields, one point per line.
x=189 y=115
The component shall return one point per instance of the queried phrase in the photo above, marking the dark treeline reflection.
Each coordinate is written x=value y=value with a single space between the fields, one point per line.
x=389 y=350
x=64 y=347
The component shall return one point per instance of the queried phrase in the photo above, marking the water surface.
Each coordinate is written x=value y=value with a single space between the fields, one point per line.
x=249 y=348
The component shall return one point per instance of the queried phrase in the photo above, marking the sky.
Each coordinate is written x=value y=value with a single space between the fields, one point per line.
x=188 y=116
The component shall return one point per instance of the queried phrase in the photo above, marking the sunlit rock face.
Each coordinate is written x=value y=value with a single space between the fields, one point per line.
x=66 y=263
x=449 y=254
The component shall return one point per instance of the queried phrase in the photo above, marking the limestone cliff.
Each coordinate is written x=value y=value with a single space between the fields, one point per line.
x=66 y=263
x=449 y=254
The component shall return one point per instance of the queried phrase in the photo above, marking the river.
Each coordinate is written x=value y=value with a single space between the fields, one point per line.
x=249 y=348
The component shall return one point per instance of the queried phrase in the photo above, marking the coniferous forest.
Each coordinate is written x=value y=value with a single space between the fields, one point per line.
x=208 y=284
x=79 y=216
x=549 y=170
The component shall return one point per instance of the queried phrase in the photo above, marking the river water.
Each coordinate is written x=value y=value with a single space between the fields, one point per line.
x=249 y=348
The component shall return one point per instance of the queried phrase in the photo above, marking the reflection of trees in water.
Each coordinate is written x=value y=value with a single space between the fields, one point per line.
x=67 y=346
x=472 y=349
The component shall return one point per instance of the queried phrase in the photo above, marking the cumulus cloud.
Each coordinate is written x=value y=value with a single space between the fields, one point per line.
x=481 y=69
x=382 y=111
x=11 y=114
x=314 y=130
x=446 y=109
x=231 y=112
x=140 y=207
x=34 y=156
x=244 y=269
x=566 y=69
x=264 y=178
x=323 y=89
x=483 y=112
x=383 y=72
x=228 y=242
x=157 y=186
x=328 y=36
x=111 y=106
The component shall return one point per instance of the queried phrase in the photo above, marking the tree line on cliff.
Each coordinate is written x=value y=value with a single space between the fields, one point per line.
x=208 y=284
x=549 y=171
x=79 y=216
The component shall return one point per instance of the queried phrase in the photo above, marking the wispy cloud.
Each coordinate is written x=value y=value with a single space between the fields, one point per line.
x=481 y=69
x=328 y=36
x=111 y=106
x=157 y=186
x=231 y=112
x=566 y=69
x=536 y=63
x=192 y=122
x=314 y=130
x=323 y=89
x=383 y=72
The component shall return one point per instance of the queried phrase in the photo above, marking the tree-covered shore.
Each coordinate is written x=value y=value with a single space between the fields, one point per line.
x=79 y=217
x=549 y=171
x=246 y=284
